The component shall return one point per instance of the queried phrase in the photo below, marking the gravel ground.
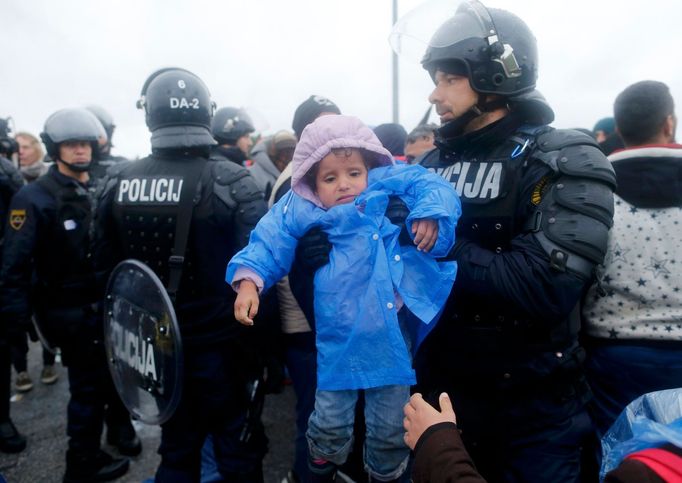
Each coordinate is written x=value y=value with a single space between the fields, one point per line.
x=40 y=415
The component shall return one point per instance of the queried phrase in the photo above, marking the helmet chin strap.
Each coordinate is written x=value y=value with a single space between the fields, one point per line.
x=77 y=168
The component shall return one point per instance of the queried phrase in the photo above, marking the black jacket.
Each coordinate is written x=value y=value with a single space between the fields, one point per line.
x=47 y=235
x=226 y=207
x=511 y=324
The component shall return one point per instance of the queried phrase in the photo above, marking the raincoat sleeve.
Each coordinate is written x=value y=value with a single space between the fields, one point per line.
x=272 y=244
x=428 y=196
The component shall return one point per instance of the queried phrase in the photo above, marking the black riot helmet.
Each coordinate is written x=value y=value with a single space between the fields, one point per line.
x=493 y=48
x=178 y=109
x=229 y=124
x=72 y=125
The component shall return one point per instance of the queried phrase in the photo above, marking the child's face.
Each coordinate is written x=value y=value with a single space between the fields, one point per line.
x=341 y=177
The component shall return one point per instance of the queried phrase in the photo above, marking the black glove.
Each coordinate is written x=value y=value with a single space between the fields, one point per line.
x=313 y=250
x=397 y=213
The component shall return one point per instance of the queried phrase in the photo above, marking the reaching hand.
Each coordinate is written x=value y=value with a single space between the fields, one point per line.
x=420 y=415
x=425 y=234
x=246 y=305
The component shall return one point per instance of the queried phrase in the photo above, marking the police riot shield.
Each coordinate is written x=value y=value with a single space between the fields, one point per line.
x=142 y=341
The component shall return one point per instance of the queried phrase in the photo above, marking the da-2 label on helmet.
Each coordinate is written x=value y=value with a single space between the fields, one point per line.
x=183 y=103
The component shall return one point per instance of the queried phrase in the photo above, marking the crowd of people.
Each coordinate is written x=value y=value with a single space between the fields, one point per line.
x=475 y=301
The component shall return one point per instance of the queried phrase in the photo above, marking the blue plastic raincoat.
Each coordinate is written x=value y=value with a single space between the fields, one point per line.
x=359 y=341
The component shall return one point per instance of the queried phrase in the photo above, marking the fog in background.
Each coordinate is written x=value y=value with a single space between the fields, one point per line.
x=268 y=56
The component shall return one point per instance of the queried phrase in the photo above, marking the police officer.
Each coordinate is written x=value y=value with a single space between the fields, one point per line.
x=537 y=205
x=105 y=160
x=141 y=215
x=48 y=235
x=231 y=128
x=10 y=182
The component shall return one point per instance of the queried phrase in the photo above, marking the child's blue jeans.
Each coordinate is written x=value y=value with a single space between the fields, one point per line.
x=330 y=429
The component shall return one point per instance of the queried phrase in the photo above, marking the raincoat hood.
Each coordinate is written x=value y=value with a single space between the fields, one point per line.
x=323 y=135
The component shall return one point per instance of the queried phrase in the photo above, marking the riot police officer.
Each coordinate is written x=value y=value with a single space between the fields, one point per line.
x=47 y=240
x=537 y=205
x=10 y=182
x=231 y=128
x=105 y=159
x=185 y=216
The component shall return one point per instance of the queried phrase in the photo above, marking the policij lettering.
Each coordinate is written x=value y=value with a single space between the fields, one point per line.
x=150 y=190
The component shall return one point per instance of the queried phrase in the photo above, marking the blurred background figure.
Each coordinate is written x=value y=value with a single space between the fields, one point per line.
x=392 y=137
x=104 y=160
x=10 y=182
x=634 y=331
x=604 y=128
x=309 y=110
x=270 y=157
x=31 y=156
x=231 y=128
x=606 y=135
x=419 y=141
x=32 y=165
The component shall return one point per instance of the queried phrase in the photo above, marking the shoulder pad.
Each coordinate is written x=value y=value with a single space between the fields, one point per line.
x=233 y=184
x=574 y=154
x=115 y=168
x=110 y=179
x=557 y=139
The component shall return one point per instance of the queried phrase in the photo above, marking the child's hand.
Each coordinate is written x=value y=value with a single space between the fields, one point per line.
x=246 y=305
x=425 y=234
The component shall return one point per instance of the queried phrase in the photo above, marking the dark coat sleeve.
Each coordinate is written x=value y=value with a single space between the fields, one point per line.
x=521 y=277
x=440 y=457
x=105 y=241
x=19 y=246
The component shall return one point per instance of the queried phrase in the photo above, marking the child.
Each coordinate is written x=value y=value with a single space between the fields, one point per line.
x=342 y=177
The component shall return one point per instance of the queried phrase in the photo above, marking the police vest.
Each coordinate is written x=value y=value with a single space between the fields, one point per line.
x=146 y=204
x=490 y=188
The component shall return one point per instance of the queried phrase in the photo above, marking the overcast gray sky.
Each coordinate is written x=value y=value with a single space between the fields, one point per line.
x=270 y=55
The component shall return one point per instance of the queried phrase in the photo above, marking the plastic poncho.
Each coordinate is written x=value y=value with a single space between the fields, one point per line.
x=649 y=421
x=359 y=341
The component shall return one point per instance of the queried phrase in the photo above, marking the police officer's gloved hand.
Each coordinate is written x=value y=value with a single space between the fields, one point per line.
x=313 y=250
x=397 y=212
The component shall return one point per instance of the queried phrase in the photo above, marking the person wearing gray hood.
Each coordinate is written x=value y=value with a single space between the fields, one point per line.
x=270 y=157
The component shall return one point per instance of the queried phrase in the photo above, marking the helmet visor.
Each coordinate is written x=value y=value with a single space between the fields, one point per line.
x=413 y=33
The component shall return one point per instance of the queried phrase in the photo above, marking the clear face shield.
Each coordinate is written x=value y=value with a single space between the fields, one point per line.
x=414 y=39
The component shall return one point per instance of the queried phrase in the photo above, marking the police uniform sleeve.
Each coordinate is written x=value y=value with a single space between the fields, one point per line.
x=551 y=261
x=104 y=234
x=237 y=191
x=23 y=228
x=10 y=182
